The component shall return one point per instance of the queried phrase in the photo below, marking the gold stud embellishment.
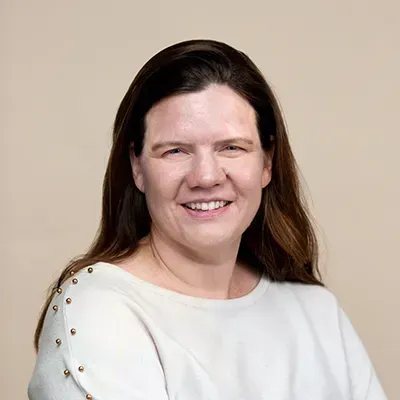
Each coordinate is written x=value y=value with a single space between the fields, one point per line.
x=55 y=308
x=74 y=281
x=73 y=331
x=58 y=341
x=59 y=290
x=68 y=300
x=72 y=273
x=81 y=369
x=89 y=397
x=66 y=372
x=90 y=270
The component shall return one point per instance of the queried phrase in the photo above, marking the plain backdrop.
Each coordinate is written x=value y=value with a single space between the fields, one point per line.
x=66 y=66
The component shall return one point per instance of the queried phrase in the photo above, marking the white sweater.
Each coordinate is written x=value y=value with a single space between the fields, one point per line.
x=138 y=341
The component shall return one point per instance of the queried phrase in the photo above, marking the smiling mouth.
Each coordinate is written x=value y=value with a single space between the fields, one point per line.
x=212 y=205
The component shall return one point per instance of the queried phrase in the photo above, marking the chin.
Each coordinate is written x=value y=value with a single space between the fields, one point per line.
x=212 y=239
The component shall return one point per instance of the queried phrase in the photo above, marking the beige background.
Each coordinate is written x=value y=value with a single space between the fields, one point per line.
x=65 y=67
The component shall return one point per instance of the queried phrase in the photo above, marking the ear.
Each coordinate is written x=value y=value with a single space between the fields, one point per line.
x=137 y=171
x=268 y=157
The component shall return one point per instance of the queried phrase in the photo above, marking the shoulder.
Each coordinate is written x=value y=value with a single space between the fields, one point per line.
x=93 y=283
x=95 y=341
x=312 y=304
x=91 y=301
x=336 y=331
x=318 y=310
x=313 y=297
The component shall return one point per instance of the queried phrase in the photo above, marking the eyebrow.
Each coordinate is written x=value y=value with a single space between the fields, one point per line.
x=238 y=139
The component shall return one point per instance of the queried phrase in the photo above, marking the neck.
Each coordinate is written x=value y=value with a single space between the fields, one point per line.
x=209 y=273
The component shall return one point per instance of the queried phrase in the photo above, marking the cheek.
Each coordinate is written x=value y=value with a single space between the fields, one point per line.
x=248 y=176
x=160 y=182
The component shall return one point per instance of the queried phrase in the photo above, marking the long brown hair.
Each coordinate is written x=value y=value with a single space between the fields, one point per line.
x=280 y=240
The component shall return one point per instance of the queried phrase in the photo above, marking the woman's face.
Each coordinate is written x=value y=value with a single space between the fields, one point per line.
x=202 y=168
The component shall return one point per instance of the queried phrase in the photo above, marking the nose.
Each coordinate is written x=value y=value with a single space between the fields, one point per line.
x=205 y=172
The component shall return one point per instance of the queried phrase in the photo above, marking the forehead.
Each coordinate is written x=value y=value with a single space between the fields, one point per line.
x=213 y=113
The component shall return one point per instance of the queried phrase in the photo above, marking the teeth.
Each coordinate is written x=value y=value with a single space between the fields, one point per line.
x=213 y=205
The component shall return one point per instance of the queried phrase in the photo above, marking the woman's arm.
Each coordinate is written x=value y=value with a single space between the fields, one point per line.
x=94 y=346
x=364 y=382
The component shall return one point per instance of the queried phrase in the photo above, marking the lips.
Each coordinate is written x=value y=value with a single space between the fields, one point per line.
x=206 y=206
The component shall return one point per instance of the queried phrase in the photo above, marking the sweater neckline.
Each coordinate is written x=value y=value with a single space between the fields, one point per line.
x=192 y=301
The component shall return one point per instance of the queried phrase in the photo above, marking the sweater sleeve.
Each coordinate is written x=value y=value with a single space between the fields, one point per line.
x=95 y=346
x=364 y=382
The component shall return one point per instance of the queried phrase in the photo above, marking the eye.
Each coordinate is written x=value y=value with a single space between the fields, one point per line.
x=232 y=148
x=173 y=151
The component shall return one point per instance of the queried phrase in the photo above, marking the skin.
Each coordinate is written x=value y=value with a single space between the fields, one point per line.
x=201 y=145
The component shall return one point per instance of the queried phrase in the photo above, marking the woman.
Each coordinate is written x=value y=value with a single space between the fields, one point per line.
x=203 y=281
